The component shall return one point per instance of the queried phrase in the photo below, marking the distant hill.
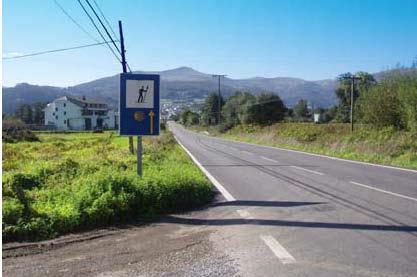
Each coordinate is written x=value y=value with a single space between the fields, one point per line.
x=181 y=83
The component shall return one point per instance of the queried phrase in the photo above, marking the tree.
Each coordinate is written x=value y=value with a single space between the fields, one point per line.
x=38 y=113
x=188 y=117
x=301 y=109
x=392 y=103
x=330 y=114
x=366 y=80
x=24 y=113
x=209 y=115
x=380 y=106
x=233 y=110
x=267 y=109
x=343 y=92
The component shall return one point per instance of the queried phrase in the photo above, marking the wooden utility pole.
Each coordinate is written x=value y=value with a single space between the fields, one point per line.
x=219 y=97
x=122 y=47
x=352 y=79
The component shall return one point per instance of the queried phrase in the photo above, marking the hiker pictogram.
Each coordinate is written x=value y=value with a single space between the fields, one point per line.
x=142 y=94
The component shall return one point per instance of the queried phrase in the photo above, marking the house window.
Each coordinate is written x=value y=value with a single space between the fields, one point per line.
x=56 y=117
x=65 y=121
x=65 y=104
x=65 y=113
x=56 y=109
x=53 y=114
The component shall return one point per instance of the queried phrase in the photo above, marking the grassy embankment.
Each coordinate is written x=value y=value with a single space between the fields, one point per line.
x=78 y=181
x=384 y=146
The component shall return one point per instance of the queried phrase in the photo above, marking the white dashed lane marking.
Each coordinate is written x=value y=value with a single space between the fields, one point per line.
x=280 y=252
x=268 y=159
x=308 y=170
x=384 y=191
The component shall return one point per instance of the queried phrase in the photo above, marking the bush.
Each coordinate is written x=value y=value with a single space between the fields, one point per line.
x=163 y=126
x=80 y=189
x=391 y=103
x=15 y=130
x=13 y=210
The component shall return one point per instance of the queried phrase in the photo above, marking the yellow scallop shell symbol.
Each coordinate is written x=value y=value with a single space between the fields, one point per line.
x=139 y=116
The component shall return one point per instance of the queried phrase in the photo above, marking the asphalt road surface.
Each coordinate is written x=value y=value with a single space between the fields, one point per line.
x=280 y=213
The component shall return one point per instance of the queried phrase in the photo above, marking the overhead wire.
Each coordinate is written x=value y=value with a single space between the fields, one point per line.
x=98 y=30
x=55 y=50
x=105 y=29
x=75 y=21
x=105 y=19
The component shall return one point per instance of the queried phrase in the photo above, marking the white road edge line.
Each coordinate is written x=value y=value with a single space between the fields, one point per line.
x=384 y=191
x=282 y=254
x=268 y=159
x=312 y=154
x=244 y=214
x=216 y=183
x=246 y=152
x=308 y=170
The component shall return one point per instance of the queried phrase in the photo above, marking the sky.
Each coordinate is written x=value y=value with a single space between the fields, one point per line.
x=309 y=39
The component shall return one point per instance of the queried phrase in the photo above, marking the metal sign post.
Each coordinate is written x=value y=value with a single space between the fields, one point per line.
x=139 y=108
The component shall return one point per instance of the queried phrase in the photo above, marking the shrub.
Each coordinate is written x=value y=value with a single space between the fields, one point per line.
x=14 y=130
x=13 y=209
x=82 y=188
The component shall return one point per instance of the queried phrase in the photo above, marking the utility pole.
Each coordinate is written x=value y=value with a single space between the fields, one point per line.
x=122 y=47
x=312 y=109
x=219 y=76
x=352 y=79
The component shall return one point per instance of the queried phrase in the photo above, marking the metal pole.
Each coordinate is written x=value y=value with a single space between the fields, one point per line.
x=122 y=46
x=219 y=105
x=139 y=156
x=351 y=103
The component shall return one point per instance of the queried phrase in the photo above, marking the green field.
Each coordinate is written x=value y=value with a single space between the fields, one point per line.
x=383 y=145
x=79 y=181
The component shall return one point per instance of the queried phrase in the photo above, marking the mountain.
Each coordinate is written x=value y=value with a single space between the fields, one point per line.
x=183 y=83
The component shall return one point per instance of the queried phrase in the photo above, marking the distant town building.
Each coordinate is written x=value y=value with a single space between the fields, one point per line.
x=73 y=113
x=318 y=117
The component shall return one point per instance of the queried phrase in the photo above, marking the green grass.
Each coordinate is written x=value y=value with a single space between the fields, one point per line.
x=79 y=181
x=383 y=146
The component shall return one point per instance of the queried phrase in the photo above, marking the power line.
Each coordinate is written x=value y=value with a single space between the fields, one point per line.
x=105 y=19
x=105 y=29
x=102 y=25
x=55 y=50
x=98 y=30
x=74 y=21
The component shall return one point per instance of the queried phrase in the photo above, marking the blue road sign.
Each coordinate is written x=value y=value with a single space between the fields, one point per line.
x=139 y=105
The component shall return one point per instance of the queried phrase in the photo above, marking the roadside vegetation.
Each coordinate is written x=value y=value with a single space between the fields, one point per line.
x=14 y=130
x=71 y=182
x=385 y=120
x=377 y=145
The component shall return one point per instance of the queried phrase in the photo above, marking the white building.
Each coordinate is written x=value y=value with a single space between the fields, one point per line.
x=73 y=113
x=318 y=117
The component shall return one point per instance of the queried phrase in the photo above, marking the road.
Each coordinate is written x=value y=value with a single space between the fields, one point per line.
x=318 y=216
x=280 y=213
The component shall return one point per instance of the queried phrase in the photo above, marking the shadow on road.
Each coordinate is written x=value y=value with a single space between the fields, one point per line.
x=287 y=223
x=265 y=203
